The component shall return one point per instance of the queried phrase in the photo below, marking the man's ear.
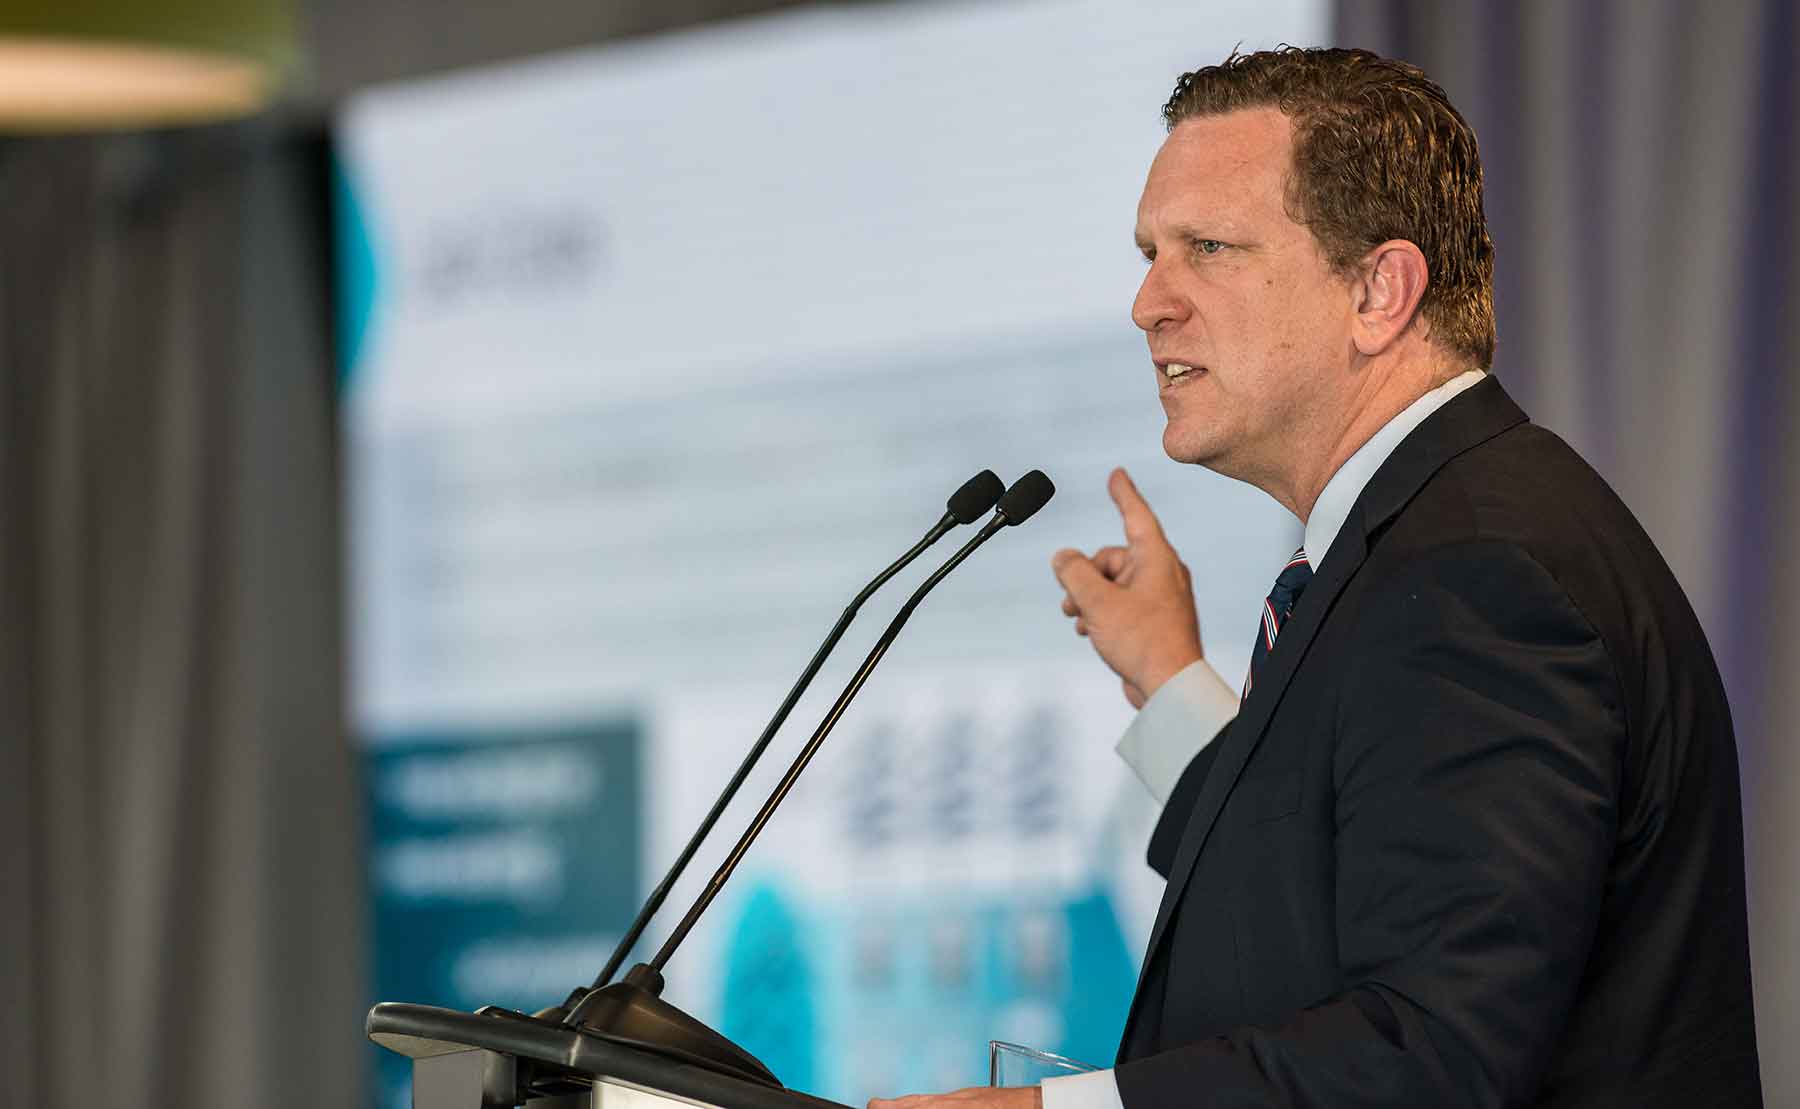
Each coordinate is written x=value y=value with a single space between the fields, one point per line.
x=1389 y=285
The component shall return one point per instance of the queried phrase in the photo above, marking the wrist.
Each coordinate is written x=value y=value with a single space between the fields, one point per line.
x=1157 y=675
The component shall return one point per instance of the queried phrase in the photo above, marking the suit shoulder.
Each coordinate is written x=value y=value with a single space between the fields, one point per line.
x=1524 y=486
x=1528 y=493
x=1529 y=489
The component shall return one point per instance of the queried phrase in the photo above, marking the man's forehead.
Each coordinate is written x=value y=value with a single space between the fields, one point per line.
x=1238 y=158
x=1232 y=138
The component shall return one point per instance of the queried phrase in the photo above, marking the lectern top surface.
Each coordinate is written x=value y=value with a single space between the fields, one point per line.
x=425 y=1032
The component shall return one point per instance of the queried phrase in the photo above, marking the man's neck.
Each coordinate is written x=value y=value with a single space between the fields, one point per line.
x=1381 y=394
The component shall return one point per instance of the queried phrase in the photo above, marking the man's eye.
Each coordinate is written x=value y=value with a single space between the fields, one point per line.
x=1208 y=246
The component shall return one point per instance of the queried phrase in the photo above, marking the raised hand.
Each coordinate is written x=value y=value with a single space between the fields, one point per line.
x=1134 y=603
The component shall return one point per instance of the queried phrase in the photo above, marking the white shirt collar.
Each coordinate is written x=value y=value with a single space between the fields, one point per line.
x=1347 y=484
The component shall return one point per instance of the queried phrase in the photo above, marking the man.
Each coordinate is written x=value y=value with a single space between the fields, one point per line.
x=1472 y=836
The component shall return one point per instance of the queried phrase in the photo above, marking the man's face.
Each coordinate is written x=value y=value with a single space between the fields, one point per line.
x=1240 y=293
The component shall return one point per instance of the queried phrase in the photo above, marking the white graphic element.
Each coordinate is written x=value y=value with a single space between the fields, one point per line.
x=536 y=781
x=529 y=967
x=505 y=866
x=728 y=315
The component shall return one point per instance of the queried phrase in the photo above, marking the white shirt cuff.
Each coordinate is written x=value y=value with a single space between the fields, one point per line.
x=1090 y=1090
x=1175 y=724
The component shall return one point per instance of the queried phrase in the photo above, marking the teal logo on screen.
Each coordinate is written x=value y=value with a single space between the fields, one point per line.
x=504 y=866
x=357 y=279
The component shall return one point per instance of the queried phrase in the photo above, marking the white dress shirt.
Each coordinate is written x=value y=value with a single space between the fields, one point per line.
x=1184 y=715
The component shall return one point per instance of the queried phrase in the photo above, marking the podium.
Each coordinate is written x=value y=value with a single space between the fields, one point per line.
x=495 y=1059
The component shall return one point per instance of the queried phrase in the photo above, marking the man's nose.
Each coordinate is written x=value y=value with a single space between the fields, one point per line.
x=1157 y=302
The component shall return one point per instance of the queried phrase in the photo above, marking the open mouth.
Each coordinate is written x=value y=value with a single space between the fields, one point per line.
x=1174 y=373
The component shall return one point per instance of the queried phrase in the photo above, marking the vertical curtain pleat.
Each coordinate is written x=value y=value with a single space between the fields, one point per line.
x=1767 y=516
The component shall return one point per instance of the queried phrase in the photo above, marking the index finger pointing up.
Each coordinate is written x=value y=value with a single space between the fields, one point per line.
x=1141 y=525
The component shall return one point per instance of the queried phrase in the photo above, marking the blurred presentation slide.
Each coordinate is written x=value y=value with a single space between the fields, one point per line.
x=653 y=355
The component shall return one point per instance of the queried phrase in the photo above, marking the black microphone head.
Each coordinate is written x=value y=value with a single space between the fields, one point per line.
x=1027 y=495
x=976 y=497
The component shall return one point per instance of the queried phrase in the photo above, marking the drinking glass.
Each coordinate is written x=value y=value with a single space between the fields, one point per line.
x=1018 y=1065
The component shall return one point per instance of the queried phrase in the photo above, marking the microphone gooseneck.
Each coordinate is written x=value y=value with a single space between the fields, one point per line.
x=1017 y=505
x=966 y=505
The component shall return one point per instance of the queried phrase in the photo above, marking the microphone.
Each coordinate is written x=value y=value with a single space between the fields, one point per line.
x=965 y=506
x=1017 y=505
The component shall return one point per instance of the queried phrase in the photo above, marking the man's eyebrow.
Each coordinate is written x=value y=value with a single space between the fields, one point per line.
x=1213 y=229
x=1182 y=231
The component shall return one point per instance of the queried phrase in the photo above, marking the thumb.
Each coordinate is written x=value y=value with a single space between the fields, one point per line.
x=1141 y=524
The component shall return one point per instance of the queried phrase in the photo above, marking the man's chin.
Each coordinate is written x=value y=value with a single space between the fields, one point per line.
x=1195 y=450
x=1208 y=454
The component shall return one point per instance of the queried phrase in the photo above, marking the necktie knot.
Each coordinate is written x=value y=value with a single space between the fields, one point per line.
x=1289 y=584
x=1292 y=582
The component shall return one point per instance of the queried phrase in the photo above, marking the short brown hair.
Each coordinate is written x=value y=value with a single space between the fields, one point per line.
x=1379 y=153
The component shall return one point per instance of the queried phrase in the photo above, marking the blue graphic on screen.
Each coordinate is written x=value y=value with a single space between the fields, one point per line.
x=888 y=992
x=769 y=984
x=357 y=272
x=917 y=989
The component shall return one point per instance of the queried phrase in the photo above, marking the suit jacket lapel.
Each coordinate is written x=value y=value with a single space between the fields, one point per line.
x=1473 y=417
x=1246 y=732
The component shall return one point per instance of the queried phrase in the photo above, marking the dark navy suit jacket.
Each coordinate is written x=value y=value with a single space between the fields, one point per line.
x=1474 y=839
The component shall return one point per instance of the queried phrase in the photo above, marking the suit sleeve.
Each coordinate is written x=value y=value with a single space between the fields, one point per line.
x=1474 y=767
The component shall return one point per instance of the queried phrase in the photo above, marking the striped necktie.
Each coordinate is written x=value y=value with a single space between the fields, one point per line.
x=1276 y=610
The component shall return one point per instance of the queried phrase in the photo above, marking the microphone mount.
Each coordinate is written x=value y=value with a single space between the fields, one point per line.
x=632 y=1010
x=1019 y=503
x=974 y=497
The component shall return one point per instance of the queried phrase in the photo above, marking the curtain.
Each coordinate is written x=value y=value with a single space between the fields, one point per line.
x=1643 y=190
x=181 y=917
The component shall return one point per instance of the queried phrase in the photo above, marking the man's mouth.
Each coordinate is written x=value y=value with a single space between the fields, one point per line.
x=1173 y=372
